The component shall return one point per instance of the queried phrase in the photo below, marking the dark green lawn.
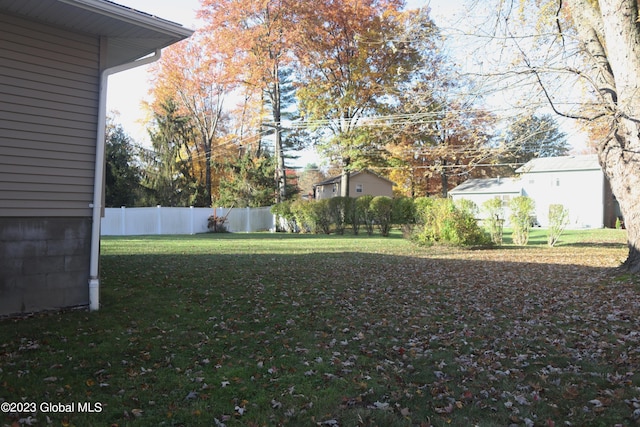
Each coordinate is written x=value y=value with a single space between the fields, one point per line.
x=303 y=330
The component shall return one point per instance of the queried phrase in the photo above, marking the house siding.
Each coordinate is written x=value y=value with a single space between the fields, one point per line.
x=575 y=182
x=580 y=192
x=371 y=185
x=49 y=87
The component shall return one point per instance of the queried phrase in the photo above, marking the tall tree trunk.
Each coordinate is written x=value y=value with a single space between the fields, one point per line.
x=610 y=33
x=276 y=105
x=207 y=175
x=344 y=178
x=620 y=155
x=621 y=163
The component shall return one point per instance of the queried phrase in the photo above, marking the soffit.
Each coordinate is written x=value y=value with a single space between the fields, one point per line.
x=131 y=34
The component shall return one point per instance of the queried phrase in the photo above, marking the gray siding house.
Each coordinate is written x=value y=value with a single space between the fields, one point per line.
x=55 y=59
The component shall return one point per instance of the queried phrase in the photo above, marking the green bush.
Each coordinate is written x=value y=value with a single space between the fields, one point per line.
x=304 y=216
x=283 y=211
x=494 y=210
x=339 y=213
x=351 y=215
x=558 y=221
x=468 y=207
x=322 y=216
x=422 y=209
x=364 y=212
x=446 y=223
x=522 y=209
x=404 y=214
x=382 y=209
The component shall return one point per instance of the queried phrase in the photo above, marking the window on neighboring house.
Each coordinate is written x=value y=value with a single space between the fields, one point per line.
x=335 y=188
x=359 y=188
x=557 y=182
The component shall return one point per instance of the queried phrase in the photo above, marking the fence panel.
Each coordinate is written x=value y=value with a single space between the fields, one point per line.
x=167 y=220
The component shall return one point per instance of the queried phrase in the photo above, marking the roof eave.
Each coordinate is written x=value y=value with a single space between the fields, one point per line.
x=133 y=16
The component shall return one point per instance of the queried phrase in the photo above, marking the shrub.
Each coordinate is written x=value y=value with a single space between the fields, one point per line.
x=322 y=216
x=495 y=219
x=215 y=223
x=522 y=209
x=558 y=220
x=445 y=223
x=404 y=214
x=468 y=207
x=304 y=215
x=352 y=218
x=338 y=213
x=283 y=211
x=422 y=206
x=364 y=212
x=382 y=208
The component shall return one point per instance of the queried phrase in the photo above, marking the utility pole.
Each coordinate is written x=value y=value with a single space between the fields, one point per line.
x=280 y=175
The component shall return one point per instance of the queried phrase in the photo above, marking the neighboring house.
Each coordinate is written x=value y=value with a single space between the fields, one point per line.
x=576 y=182
x=55 y=59
x=363 y=182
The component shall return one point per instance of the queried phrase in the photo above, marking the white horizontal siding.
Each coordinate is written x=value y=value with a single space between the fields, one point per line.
x=49 y=82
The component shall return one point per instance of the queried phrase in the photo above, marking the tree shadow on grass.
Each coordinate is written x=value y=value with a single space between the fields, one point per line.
x=336 y=333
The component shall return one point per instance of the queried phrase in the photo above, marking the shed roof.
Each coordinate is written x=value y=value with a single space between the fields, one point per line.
x=488 y=186
x=131 y=34
x=561 y=164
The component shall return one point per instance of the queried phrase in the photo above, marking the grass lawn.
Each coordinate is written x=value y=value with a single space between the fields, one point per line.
x=302 y=330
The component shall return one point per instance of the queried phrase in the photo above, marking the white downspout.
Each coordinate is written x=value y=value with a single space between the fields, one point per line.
x=98 y=181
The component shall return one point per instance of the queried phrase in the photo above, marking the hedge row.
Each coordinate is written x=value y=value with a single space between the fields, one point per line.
x=425 y=220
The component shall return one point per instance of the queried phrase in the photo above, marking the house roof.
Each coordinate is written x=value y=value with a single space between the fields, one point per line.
x=488 y=186
x=338 y=178
x=131 y=34
x=563 y=163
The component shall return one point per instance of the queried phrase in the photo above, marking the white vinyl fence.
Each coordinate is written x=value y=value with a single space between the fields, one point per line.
x=165 y=220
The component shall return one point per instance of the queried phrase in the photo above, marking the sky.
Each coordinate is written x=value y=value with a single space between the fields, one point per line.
x=128 y=89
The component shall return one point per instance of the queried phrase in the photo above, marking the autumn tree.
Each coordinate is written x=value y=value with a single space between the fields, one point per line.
x=308 y=177
x=353 y=56
x=192 y=75
x=254 y=38
x=441 y=134
x=584 y=58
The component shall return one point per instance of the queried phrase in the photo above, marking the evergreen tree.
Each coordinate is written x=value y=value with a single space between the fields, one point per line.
x=250 y=183
x=534 y=136
x=170 y=172
x=122 y=174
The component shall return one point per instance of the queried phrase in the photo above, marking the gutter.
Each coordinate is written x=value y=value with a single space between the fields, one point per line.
x=98 y=181
x=133 y=16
